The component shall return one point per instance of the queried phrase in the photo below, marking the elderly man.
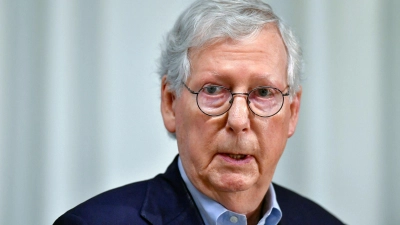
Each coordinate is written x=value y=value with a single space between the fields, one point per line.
x=230 y=94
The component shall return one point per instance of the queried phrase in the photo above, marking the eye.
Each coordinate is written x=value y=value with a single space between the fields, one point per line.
x=212 y=90
x=264 y=92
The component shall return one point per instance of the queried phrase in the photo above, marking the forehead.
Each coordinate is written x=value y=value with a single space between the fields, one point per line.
x=263 y=55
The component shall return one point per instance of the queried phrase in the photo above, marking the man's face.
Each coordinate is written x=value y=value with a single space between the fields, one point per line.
x=208 y=146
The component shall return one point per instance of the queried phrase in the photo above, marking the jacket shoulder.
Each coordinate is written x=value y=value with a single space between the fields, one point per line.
x=117 y=206
x=161 y=200
x=297 y=209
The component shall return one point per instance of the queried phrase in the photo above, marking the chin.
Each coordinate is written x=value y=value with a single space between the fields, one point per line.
x=233 y=182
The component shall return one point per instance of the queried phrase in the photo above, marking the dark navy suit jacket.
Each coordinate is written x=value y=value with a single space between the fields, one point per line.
x=166 y=200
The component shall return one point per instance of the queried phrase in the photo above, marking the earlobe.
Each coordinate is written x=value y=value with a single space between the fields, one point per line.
x=168 y=105
x=294 y=112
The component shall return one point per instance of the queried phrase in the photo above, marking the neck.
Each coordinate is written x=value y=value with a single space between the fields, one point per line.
x=254 y=218
x=243 y=202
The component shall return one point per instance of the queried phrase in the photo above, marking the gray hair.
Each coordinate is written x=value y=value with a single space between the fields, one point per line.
x=206 y=21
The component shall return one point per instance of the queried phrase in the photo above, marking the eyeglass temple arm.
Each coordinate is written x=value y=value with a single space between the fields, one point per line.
x=190 y=90
x=288 y=91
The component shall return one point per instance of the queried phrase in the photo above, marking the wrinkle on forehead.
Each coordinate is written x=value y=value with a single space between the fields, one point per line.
x=262 y=63
x=239 y=49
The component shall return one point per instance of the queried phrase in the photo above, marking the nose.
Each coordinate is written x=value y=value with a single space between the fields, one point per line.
x=238 y=114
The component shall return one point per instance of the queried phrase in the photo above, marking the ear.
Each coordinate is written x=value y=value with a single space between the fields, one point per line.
x=168 y=105
x=294 y=112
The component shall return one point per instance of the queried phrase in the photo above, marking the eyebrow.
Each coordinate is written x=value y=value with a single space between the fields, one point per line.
x=258 y=76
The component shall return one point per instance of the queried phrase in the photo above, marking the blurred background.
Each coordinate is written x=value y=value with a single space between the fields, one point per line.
x=79 y=104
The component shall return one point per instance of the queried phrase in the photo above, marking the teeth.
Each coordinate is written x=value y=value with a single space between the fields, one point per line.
x=237 y=156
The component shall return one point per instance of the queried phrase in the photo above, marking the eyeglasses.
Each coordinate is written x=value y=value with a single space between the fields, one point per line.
x=215 y=100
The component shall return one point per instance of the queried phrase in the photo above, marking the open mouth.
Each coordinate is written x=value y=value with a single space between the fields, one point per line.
x=236 y=159
x=237 y=156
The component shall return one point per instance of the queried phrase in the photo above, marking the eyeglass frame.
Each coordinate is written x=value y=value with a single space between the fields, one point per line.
x=240 y=93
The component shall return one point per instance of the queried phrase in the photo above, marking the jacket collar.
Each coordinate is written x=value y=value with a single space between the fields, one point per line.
x=168 y=201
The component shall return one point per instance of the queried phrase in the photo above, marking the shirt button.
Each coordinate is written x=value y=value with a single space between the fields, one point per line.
x=233 y=219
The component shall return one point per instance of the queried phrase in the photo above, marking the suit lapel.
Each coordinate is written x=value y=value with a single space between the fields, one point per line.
x=168 y=201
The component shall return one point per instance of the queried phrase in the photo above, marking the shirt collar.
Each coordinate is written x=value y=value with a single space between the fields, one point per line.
x=211 y=211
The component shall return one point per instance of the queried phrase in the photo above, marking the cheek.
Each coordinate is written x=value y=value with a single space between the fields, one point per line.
x=183 y=115
x=273 y=137
x=190 y=125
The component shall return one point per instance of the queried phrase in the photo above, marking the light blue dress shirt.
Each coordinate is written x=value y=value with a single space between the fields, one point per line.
x=214 y=213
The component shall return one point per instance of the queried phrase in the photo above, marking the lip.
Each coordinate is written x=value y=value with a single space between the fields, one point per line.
x=225 y=157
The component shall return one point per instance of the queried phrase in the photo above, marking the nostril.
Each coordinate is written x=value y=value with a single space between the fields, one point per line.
x=238 y=131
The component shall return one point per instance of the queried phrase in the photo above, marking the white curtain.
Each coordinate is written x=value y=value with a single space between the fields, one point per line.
x=79 y=104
